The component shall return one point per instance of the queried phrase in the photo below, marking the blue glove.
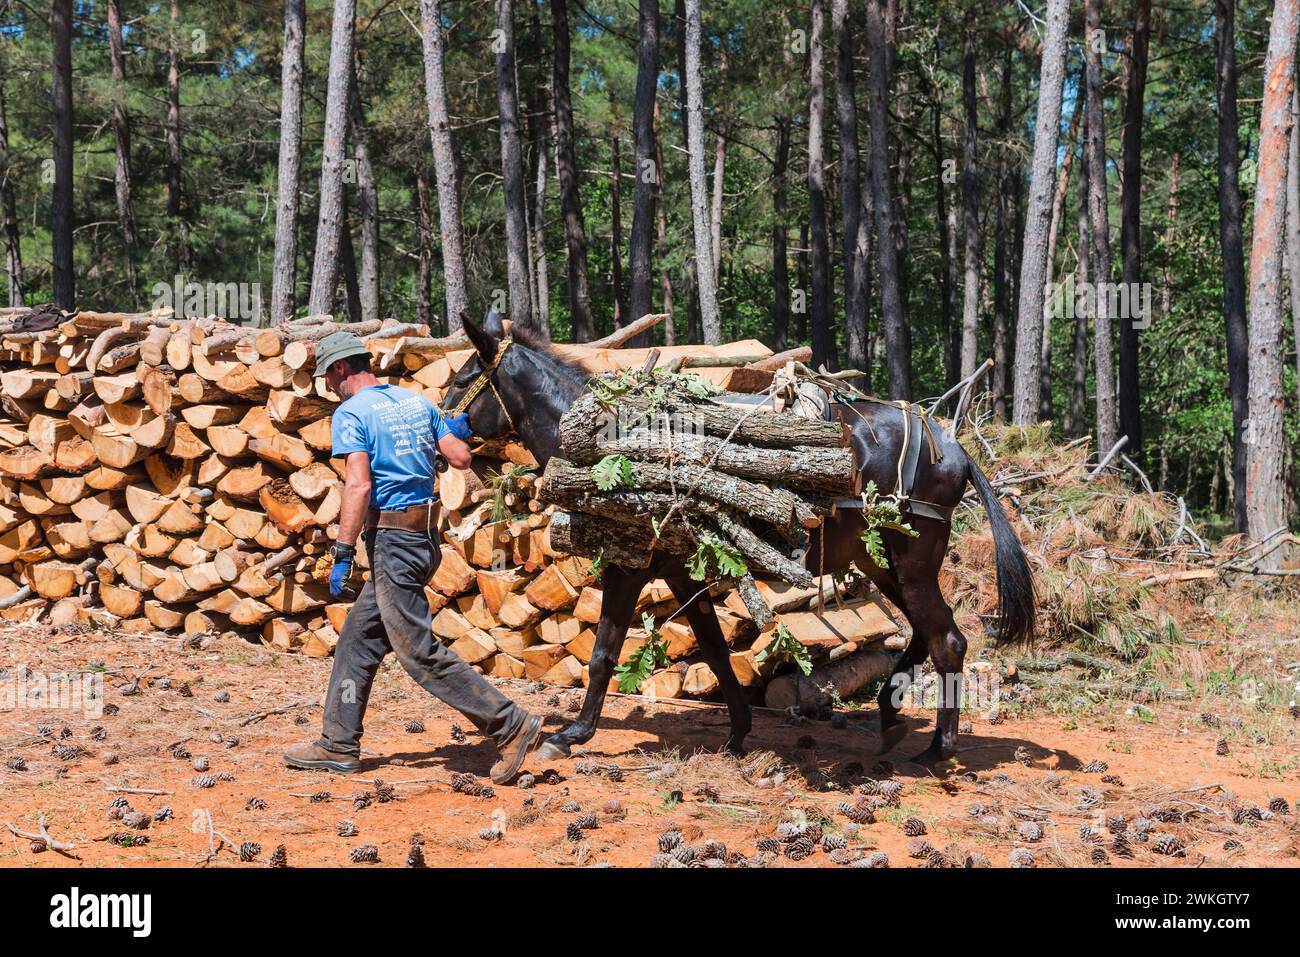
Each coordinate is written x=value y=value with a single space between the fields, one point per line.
x=342 y=570
x=458 y=425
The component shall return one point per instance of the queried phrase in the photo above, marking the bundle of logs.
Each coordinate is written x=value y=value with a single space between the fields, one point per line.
x=175 y=474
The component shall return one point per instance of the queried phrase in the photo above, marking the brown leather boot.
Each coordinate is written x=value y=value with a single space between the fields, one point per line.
x=313 y=757
x=516 y=749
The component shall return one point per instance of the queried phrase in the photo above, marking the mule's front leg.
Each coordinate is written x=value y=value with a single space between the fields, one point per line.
x=621 y=589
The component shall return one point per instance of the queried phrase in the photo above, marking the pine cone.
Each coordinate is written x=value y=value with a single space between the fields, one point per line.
x=1114 y=779
x=98 y=733
x=1021 y=857
x=766 y=845
x=221 y=697
x=1168 y=813
x=231 y=742
x=876 y=859
x=1095 y=767
x=919 y=847
x=798 y=849
x=117 y=807
x=572 y=831
x=200 y=764
x=1116 y=823
x=788 y=831
x=664 y=861
x=68 y=752
x=833 y=842
x=714 y=850
x=1028 y=814
x=1099 y=856
x=842 y=855
x=585 y=767
x=977 y=860
x=913 y=827
x=361 y=801
x=16 y=764
x=181 y=753
x=1279 y=805
x=127 y=839
x=364 y=854
x=1089 y=834
x=135 y=820
x=859 y=812
x=1142 y=826
x=248 y=851
x=938 y=859
x=570 y=807
x=671 y=839
x=415 y=726
x=1023 y=756
x=346 y=829
x=587 y=822
x=1168 y=844
x=203 y=781
x=615 y=774
x=280 y=857
x=489 y=834
x=685 y=853
x=1221 y=749
x=415 y=856
x=384 y=793
x=1245 y=814
x=457 y=735
x=1210 y=719
x=1232 y=844
x=320 y=797
x=225 y=776
x=163 y=814
x=45 y=730
x=1090 y=798
x=255 y=804
x=1030 y=831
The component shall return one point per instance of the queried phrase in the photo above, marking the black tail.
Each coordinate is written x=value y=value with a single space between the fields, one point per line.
x=1015 y=583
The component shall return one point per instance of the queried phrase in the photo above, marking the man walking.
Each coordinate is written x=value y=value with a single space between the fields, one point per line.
x=390 y=438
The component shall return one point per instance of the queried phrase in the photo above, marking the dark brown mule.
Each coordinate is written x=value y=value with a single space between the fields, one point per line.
x=534 y=387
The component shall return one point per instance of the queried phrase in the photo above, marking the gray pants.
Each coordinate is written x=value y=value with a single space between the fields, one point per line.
x=392 y=614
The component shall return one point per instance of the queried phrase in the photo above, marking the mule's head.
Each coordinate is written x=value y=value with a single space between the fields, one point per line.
x=486 y=416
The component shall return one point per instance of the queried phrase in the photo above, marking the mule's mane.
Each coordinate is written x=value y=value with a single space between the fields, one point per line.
x=532 y=340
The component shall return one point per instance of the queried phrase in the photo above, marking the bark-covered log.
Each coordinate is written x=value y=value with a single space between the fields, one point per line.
x=577 y=533
x=564 y=484
x=763 y=428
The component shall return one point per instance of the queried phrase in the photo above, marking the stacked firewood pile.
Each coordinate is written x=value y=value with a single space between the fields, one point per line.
x=175 y=475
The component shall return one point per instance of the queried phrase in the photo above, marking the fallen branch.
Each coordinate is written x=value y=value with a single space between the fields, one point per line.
x=630 y=331
x=44 y=837
x=1114 y=450
x=259 y=715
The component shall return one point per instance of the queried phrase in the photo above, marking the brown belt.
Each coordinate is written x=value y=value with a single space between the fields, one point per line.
x=417 y=518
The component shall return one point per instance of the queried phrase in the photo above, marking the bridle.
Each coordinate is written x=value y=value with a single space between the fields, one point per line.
x=484 y=378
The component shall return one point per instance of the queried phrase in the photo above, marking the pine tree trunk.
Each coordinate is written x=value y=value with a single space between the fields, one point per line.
x=512 y=168
x=1053 y=233
x=424 y=224
x=970 y=314
x=348 y=267
x=575 y=233
x=661 y=240
x=122 y=146
x=1076 y=416
x=640 y=301
x=945 y=224
x=1001 y=252
x=1230 y=243
x=1266 y=491
x=1130 y=402
x=62 y=209
x=285 y=271
x=616 y=219
x=175 y=200
x=541 y=275
x=1098 y=216
x=780 y=254
x=715 y=212
x=333 y=197
x=367 y=207
x=13 y=249
x=896 y=16
x=704 y=275
x=1171 y=221
x=1292 y=221
x=823 y=341
x=444 y=164
x=897 y=356
x=1034 y=266
x=855 y=316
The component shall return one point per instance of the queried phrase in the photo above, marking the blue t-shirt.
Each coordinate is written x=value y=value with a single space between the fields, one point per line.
x=399 y=429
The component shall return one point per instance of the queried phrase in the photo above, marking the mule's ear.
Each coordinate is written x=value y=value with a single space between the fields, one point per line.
x=493 y=325
x=482 y=339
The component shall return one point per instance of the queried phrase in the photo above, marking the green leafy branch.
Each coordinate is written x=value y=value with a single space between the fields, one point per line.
x=648 y=658
x=613 y=471
x=715 y=558
x=786 y=647
x=881 y=513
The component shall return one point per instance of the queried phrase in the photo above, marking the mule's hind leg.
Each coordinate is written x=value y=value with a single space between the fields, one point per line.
x=892 y=727
x=947 y=647
x=621 y=588
x=704 y=622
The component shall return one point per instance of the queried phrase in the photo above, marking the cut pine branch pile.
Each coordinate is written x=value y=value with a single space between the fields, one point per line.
x=169 y=474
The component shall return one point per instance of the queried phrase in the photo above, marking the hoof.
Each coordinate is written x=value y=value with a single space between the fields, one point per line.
x=734 y=748
x=552 y=749
x=930 y=758
x=891 y=737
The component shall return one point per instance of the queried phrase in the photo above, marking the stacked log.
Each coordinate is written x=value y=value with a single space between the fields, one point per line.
x=173 y=474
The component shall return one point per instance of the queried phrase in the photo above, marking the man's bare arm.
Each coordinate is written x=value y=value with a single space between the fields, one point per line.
x=356 y=497
x=455 y=452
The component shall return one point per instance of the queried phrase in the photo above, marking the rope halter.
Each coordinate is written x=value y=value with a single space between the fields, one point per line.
x=484 y=379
